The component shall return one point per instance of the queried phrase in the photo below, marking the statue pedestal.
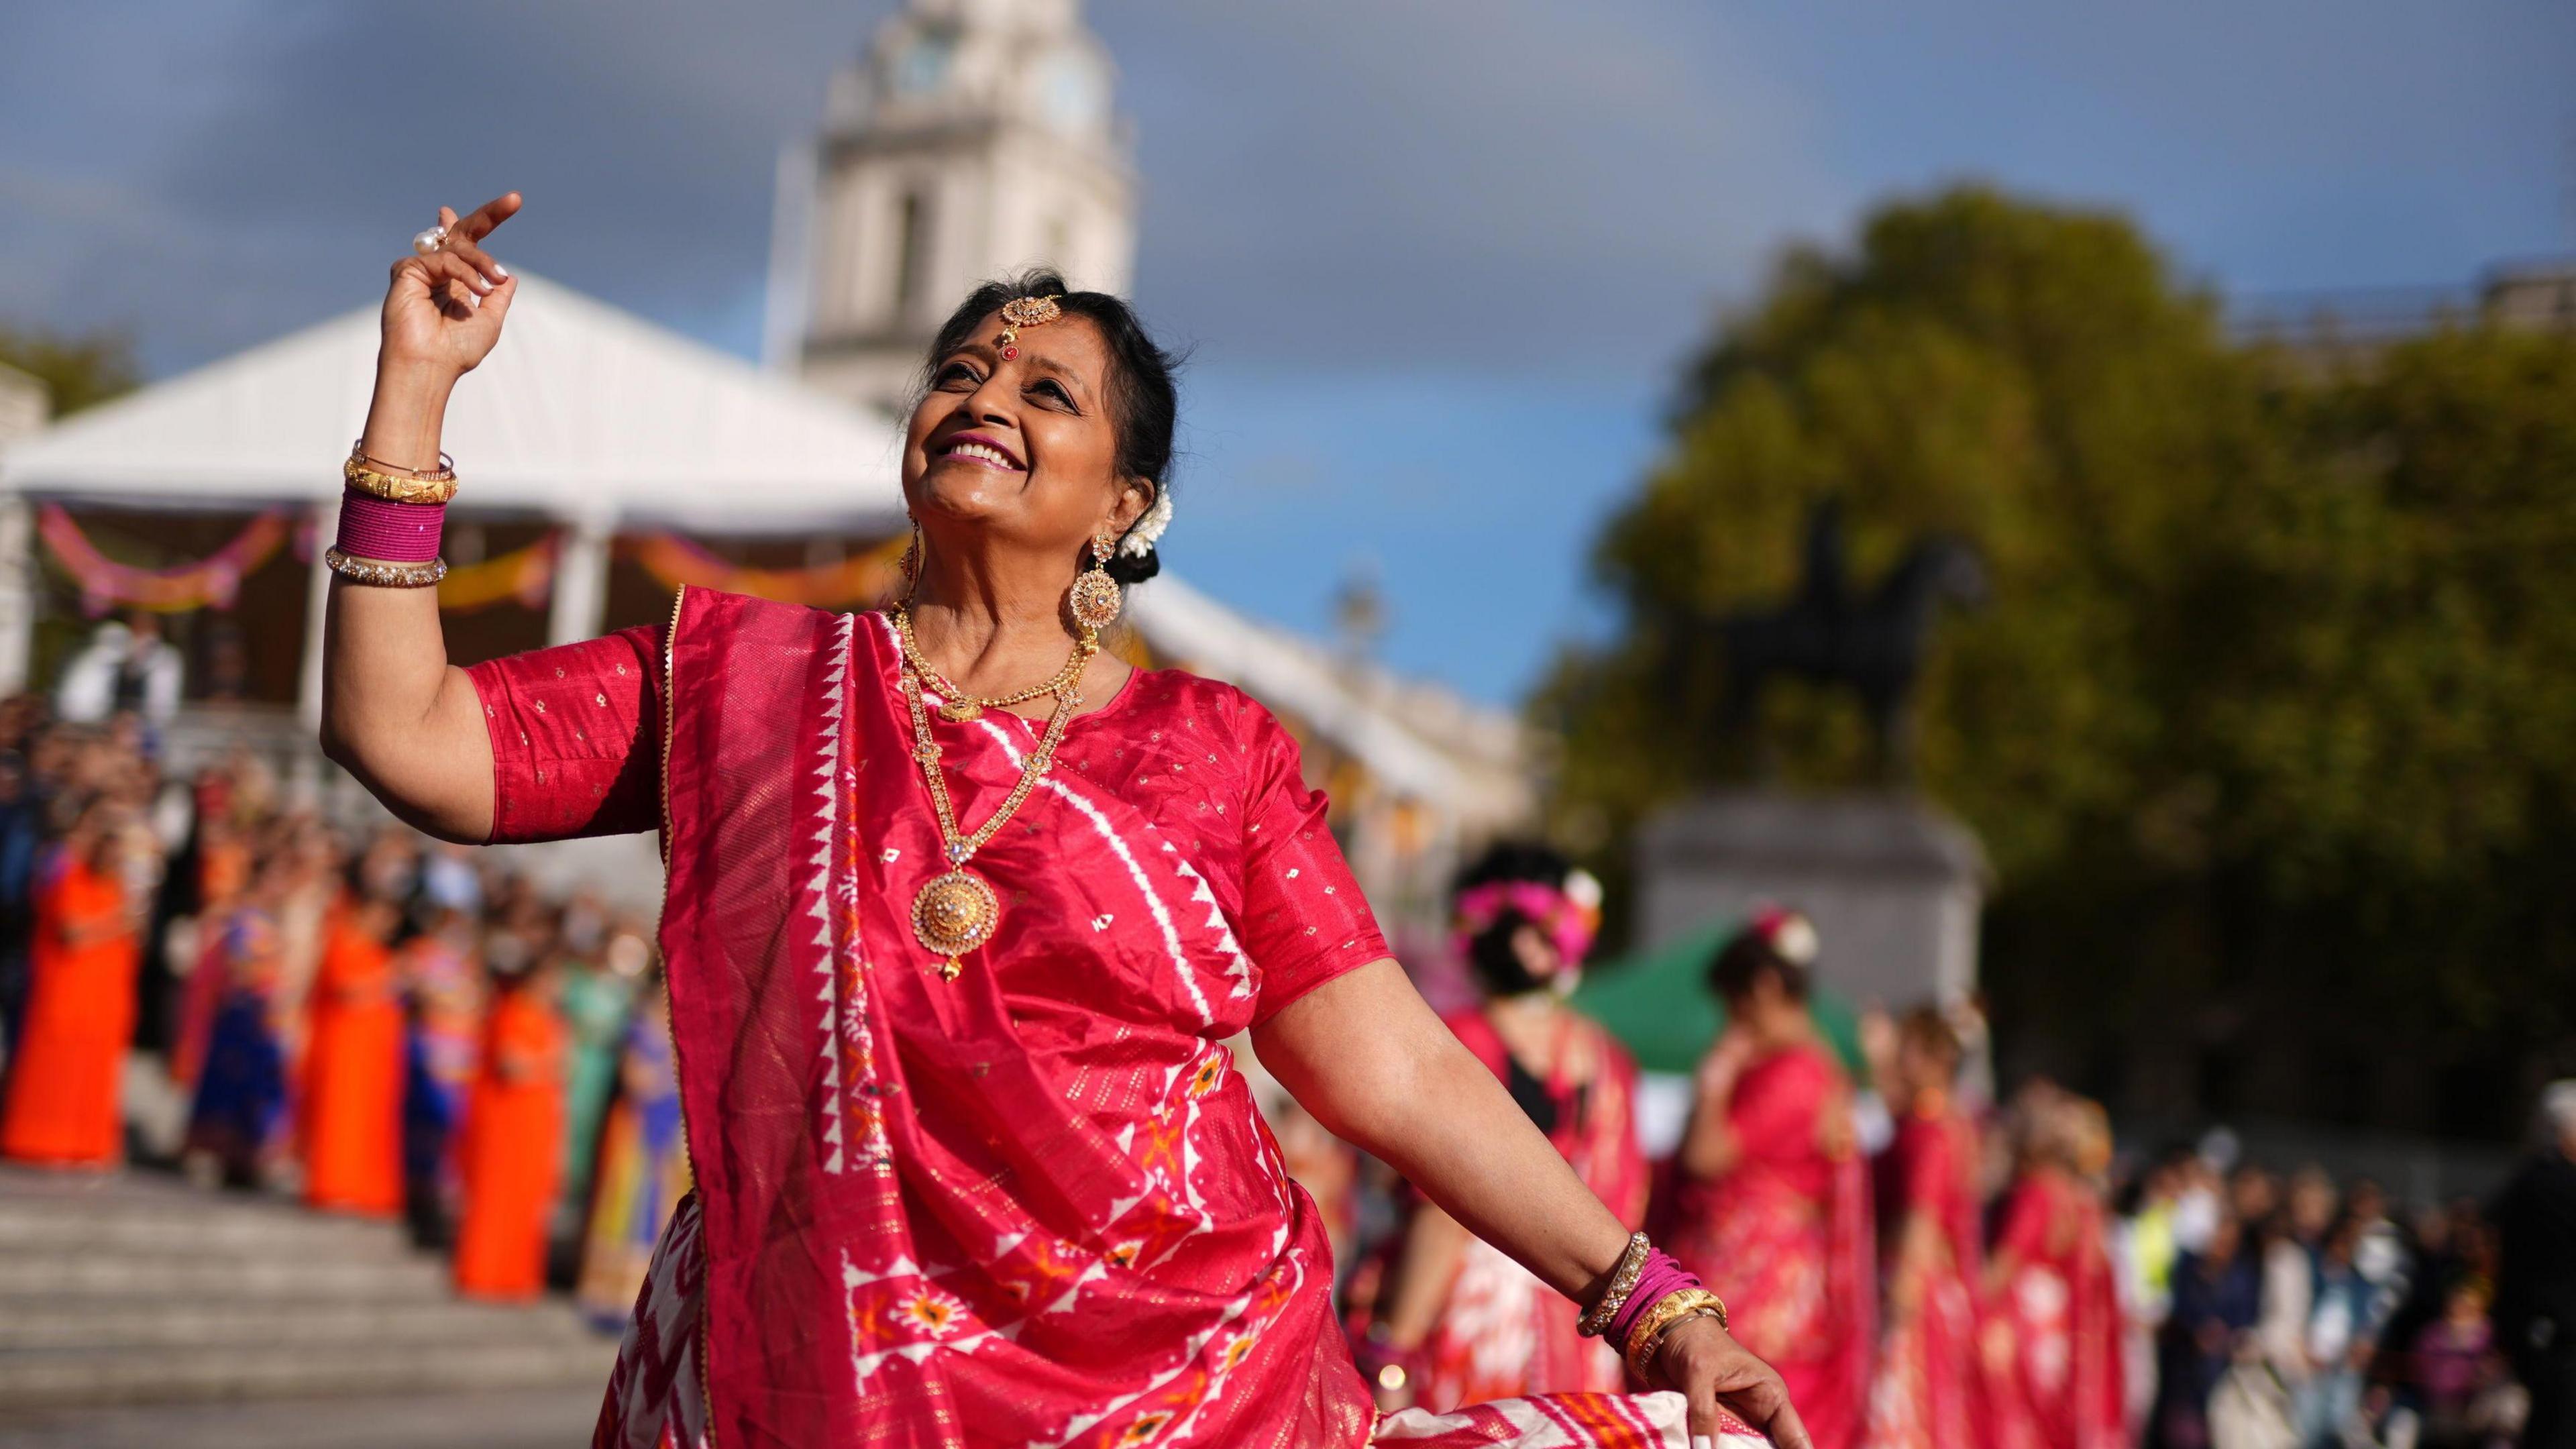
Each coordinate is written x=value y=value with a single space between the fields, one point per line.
x=1893 y=885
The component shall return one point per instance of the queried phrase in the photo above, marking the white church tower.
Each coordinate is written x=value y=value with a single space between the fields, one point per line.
x=975 y=138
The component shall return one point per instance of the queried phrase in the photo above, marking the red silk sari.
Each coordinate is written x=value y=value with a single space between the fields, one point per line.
x=1785 y=1237
x=1922 y=1394
x=2064 y=1385
x=1033 y=1205
x=1503 y=1333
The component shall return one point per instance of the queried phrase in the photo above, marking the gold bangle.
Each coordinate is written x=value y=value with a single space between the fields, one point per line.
x=396 y=488
x=376 y=573
x=1623 y=1281
x=1647 y=1337
x=446 y=465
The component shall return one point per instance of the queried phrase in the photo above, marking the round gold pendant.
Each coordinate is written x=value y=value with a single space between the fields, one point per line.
x=953 y=915
x=958 y=711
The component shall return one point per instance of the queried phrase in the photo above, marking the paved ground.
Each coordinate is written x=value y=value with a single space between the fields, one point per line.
x=549 y=1419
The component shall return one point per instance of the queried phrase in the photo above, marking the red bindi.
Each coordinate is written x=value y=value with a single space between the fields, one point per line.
x=1010 y=354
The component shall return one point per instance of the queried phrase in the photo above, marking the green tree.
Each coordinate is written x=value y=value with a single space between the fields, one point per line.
x=2272 y=709
x=78 y=372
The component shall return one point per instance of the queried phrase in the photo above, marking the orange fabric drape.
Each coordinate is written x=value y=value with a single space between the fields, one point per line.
x=63 y=1095
x=351 y=1101
x=513 y=1150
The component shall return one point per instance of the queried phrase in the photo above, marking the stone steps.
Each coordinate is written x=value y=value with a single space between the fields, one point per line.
x=130 y=1289
x=160 y=1323
x=216 y=1372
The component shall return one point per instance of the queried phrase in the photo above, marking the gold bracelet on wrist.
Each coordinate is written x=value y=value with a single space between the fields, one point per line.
x=1623 y=1281
x=1647 y=1337
x=446 y=465
x=376 y=573
x=397 y=487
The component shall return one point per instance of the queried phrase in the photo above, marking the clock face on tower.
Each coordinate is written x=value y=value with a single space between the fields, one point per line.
x=1073 y=92
x=921 y=67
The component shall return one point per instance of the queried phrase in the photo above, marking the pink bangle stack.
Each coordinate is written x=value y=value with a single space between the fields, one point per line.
x=373 y=528
x=1661 y=1278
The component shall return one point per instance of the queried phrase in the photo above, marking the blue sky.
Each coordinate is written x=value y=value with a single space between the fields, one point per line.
x=1439 y=258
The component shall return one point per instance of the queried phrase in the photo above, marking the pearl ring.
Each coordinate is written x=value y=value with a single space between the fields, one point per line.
x=429 y=241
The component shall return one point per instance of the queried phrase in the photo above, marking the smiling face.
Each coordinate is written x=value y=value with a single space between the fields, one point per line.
x=1020 y=452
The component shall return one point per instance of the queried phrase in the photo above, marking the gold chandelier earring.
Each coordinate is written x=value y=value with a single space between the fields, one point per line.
x=1095 y=599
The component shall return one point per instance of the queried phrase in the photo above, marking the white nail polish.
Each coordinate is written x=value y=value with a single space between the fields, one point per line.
x=500 y=271
x=1703 y=1441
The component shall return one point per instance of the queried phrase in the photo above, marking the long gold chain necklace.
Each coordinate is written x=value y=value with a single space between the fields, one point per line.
x=959 y=706
x=959 y=911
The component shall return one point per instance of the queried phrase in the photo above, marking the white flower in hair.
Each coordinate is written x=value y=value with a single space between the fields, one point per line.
x=1140 y=540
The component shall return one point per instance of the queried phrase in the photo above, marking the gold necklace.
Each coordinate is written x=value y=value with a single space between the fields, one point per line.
x=959 y=706
x=959 y=911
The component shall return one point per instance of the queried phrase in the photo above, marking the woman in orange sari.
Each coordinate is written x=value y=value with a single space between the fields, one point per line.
x=351 y=1102
x=1930 y=1238
x=1462 y=1322
x=2050 y=1345
x=512 y=1150
x=962 y=910
x=1773 y=1192
x=63 y=1083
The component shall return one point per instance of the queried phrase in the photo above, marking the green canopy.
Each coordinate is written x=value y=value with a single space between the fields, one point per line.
x=1658 y=1004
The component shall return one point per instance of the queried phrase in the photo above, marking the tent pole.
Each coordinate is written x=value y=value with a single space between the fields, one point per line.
x=317 y=606
x=578 y=608
x=17 y=592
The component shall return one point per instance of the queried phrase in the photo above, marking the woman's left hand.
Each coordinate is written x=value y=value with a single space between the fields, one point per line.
x=1719 y=1376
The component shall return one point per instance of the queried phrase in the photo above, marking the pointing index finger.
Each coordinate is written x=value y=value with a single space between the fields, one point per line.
x=478 y=224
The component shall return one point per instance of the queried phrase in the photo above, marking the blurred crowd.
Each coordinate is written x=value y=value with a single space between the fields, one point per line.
x=2300 y=1311
x=381 y=1024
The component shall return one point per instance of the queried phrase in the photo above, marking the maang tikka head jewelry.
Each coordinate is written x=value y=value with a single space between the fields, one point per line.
x=1022 y=312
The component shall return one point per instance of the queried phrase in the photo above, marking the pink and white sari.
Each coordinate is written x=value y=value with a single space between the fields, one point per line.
x=1034 y=1205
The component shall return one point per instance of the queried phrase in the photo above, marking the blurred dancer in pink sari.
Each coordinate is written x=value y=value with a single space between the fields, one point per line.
x=1461 y=1322
x=1773 y=1196
x=2051 y=1322
x=1929 y=1235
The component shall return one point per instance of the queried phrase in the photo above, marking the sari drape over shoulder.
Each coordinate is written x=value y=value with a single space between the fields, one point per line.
x=1784 y=1236
x=1923 y=1393
x=2058 y=1306
x=1030 y=1206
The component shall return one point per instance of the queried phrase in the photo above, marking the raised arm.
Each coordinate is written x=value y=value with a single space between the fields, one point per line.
x=1370 y=1060
x=394 y=712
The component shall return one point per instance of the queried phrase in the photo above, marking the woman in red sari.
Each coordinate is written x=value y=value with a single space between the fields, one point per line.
x=350 y=1106
x=961 y=911
x=63 y=1084
x=1773 y=1193
x=509 y=1156
x=1929 y=1238
x=2052 y=1326
x=1461 y=1321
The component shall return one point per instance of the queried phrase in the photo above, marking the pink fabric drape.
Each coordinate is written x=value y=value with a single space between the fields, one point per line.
x=1030 y=1206
x=1785 y=1237
x=2055 y=1321
x=1922 y=1395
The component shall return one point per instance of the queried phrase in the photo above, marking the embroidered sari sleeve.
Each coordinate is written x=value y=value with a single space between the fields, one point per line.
x=1304 y=919
x=576 y=738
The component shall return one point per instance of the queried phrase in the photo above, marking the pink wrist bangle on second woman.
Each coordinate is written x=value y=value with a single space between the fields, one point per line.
x=1661 y=1278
